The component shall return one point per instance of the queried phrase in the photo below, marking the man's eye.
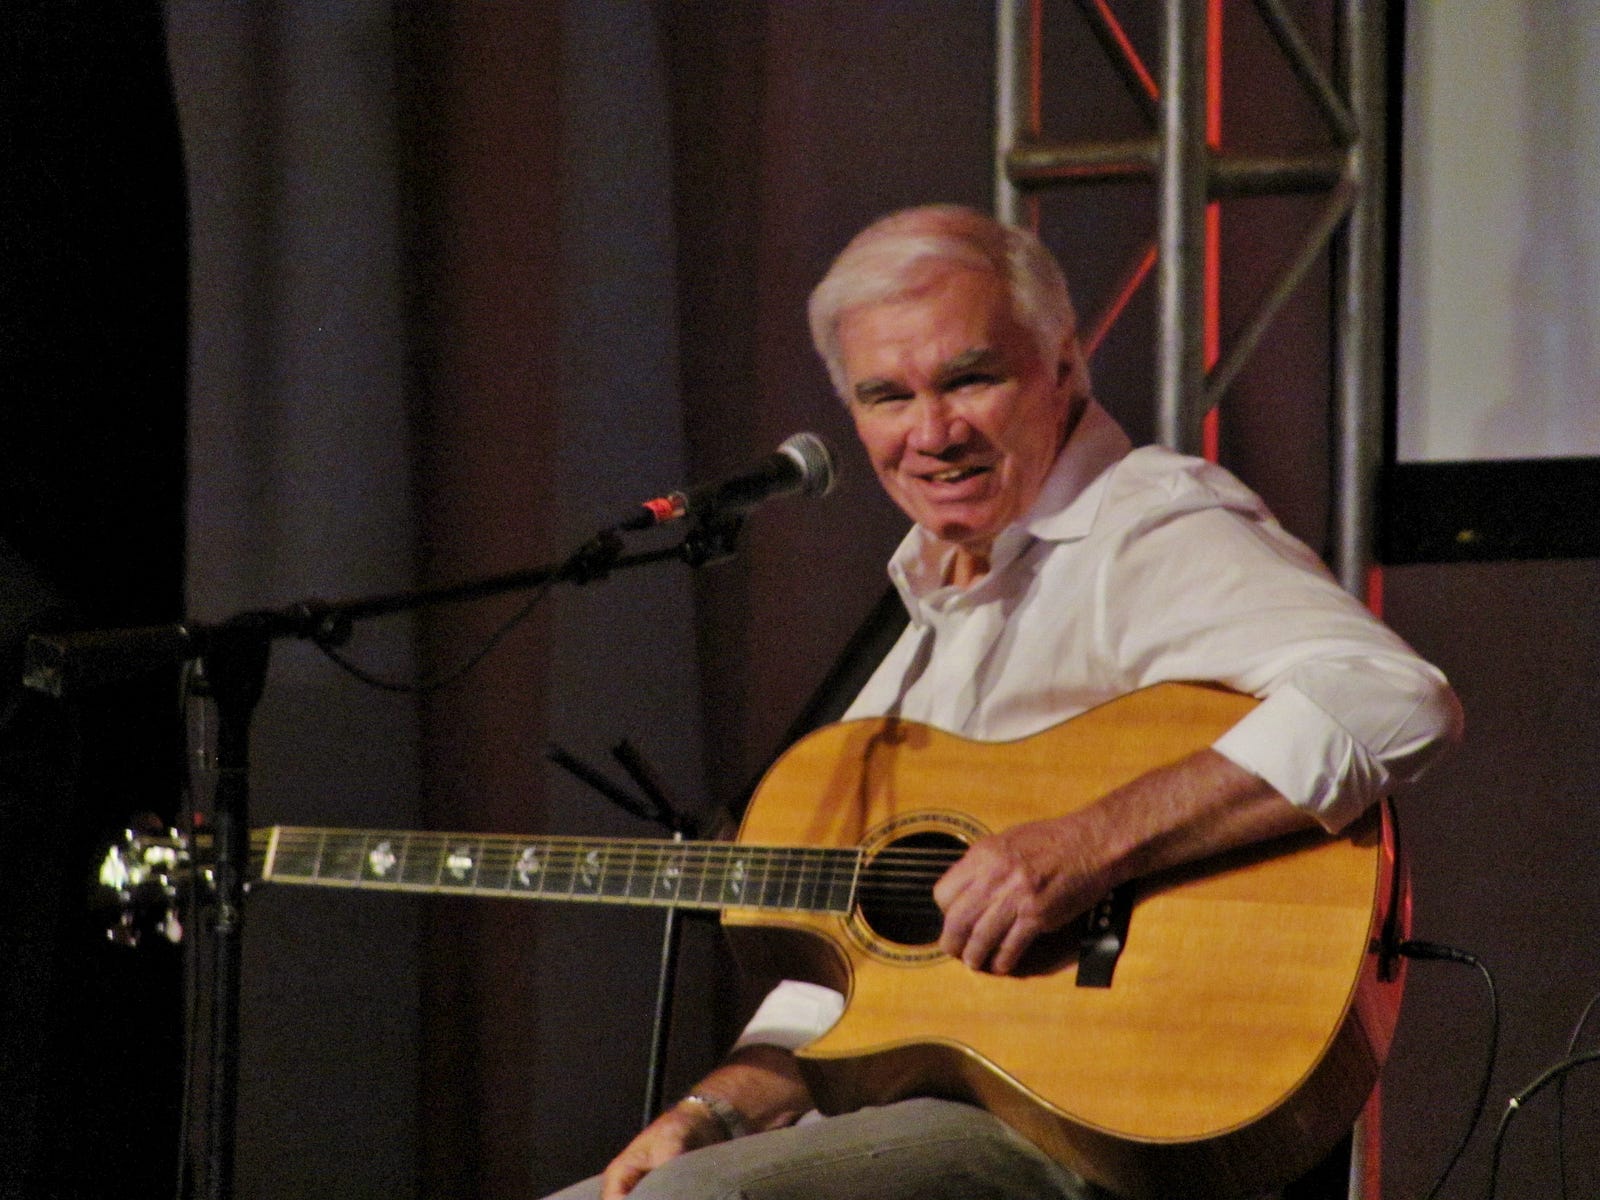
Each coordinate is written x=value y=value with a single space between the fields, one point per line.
x=971 y=379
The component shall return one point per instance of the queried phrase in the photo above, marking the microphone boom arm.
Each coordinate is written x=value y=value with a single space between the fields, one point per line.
x=235 y=655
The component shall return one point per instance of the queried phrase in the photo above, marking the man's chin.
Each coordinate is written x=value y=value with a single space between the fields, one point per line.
x=973 y=537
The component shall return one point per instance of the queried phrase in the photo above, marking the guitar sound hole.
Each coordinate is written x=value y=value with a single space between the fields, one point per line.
x=896 y=893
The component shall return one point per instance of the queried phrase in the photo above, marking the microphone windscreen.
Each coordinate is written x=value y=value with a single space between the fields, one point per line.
x=811 y=453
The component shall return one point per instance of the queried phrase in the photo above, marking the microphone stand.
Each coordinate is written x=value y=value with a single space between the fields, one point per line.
x=235 y=655
x=680 y=824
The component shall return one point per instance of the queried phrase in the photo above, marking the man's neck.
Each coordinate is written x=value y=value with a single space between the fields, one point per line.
x=968 y=565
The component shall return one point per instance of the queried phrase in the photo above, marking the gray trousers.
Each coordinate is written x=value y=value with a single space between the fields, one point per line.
x=914 y=1150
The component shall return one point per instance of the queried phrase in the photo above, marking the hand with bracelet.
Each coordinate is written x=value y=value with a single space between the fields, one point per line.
x=756 y=1089
x=724 y=1113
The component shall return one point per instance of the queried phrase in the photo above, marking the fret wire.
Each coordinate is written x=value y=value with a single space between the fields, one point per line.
x=348 y=854
x=364 y=856
x=494 y=867
x=436 y=858
x=666 y=874
x=633 y=862
x=705 y=873
x=659 y=864
x=799 y=879
x=773 y=890
x=732 y=888
x=802 y=893
x=590 y=867
x=572 y=887
x=794 y=871
x=680 y=857
x=749 y=868
x=774 y=873
x=769 y=855
x=629 y=881
x=800 y=882
x=422 y=857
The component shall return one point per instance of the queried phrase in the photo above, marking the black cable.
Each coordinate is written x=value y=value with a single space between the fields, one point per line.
x=1583 y=1020
x=1434 y=952
x=1515 y=1105
x=445 y=678
x=1561 y=1093
x=589 y=561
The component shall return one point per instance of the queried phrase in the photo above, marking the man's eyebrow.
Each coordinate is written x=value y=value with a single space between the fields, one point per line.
x=978 y=358
x=869 y=390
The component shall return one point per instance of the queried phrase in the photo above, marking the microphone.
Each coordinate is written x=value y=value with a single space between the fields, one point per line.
x=803 y=464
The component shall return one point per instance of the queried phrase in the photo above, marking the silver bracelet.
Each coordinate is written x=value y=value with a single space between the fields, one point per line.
x=724 y=1114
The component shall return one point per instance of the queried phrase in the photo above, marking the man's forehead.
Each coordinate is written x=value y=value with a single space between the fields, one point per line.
x=955 y=297
x=973 y=356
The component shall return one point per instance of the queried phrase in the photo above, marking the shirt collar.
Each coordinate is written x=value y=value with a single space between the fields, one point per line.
x=1064 y=511
x=1097 y=443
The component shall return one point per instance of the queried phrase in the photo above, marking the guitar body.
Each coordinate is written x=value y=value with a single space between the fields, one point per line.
x=1245 y=1022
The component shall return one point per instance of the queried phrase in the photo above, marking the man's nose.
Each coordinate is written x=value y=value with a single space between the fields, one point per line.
x=936 y=426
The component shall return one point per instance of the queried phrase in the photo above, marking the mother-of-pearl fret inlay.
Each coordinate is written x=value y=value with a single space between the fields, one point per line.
x=670 y=876
x=589 y=873
x=459 y=863
x=382 y=859
x=529 y=864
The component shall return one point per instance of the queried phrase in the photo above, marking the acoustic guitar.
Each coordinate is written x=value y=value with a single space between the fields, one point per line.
x=1212 y=1032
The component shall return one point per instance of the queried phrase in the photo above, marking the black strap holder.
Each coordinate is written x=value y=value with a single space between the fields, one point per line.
x=1105 y=934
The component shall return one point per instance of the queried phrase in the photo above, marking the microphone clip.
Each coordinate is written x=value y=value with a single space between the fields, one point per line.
x=712 y=538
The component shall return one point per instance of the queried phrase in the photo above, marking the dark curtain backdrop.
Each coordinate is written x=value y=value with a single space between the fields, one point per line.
x=472 y=277
x=92 y=355
x=487 y=361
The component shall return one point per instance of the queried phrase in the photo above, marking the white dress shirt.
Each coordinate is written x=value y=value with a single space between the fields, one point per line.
x=1137 y=567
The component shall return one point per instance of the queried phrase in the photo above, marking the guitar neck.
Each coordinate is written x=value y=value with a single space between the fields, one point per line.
x=653 y=873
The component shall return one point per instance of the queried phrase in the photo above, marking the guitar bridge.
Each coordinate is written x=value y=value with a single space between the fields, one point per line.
x=1105 y=933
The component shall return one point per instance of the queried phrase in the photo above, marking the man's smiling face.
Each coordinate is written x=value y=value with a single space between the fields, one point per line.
x=960 y=414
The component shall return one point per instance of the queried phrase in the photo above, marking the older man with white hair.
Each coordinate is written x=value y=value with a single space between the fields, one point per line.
x=1051 y=568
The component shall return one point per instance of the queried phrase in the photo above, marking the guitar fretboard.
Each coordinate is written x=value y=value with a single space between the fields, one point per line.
x=705 y=875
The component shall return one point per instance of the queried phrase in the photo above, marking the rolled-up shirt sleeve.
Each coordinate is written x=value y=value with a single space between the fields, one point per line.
x=1336 y=737
x=1349 y=713
x=793 y=1014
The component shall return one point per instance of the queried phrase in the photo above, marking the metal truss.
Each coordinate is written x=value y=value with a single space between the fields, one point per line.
x=1188 y=174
